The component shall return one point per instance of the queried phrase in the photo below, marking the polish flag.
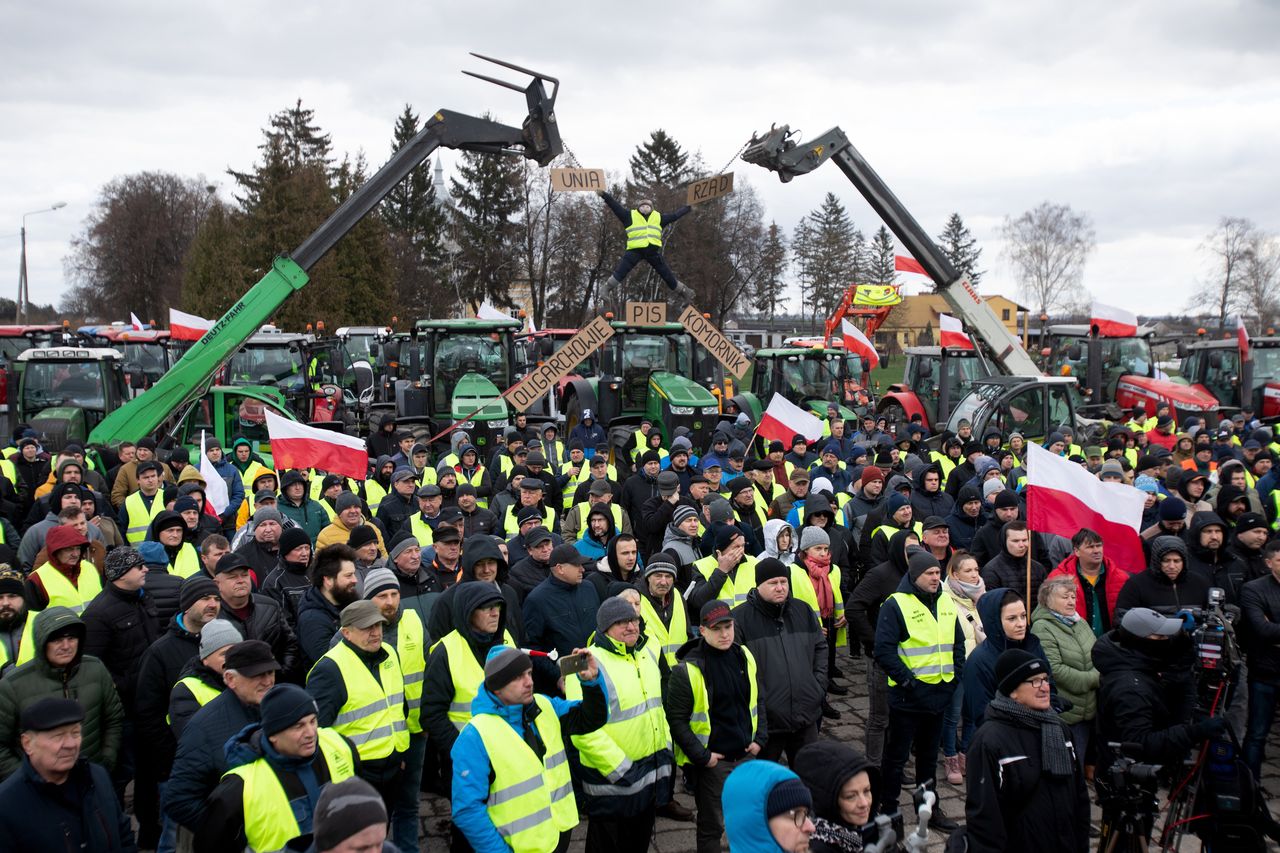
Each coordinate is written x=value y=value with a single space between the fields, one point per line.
x=134 y=321
x=951 y=333
x=855 y=341
x=1062 y=497
x=783 y=419
x=187 y=327
x=215 y=488
x=295 y=445
x=1242 y=335
x=901 y=263
x=1113 y=322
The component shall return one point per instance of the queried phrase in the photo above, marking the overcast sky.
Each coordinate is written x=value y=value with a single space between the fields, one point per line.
x=1155 y=118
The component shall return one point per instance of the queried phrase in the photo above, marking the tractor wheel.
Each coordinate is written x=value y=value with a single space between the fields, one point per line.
x=572 y=414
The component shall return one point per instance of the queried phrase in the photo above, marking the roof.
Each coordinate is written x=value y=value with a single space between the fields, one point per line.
x=952 y=352
x=549 y=333
x=64 y=353
x=656 y=329
x=1232 y=343
x=800 y=352
x=468 y=324
x=22 y=331
x=363 y=330
x=1019 y=380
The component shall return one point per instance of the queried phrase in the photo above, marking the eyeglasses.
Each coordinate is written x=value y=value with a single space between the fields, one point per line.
x=799 y=817
x=1040 y=683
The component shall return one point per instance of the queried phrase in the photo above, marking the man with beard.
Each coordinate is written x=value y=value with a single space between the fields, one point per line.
x=1208 y=555
x=665 y=618
x=16 y=623
x=1251 y=533
x=333 y=587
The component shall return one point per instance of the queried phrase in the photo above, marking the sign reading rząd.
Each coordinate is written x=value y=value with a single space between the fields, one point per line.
x=533 y=387
x=724 y=350
x=709 y=188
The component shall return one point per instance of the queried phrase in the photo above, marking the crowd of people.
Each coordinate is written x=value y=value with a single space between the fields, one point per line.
x=559 y=631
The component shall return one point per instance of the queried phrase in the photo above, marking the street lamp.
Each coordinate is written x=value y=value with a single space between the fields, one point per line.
x=20 y=313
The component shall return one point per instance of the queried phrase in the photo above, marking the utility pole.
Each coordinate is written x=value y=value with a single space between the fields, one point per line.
x=20 y=313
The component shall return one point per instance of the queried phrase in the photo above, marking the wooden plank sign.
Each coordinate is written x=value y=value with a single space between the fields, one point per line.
x=645 y=313
x=577 y=180
x=713 y=340
x=533 y=387
x=709 y=188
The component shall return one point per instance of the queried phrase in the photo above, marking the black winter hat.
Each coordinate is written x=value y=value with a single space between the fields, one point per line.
x=283 y=705
x=361 y=536
x=291 y=538
x=770 y=568
x=920 y=562
x=193 y=589
x=1015 y=666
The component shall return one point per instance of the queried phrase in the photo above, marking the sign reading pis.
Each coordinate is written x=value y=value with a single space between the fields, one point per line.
x=529 y=390
x=713 y=340
x=577 y=180
x=645 y=313
x=709 y=188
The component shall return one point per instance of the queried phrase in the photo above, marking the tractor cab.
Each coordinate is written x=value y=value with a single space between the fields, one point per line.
x=315 y=376
x=147 y=353
x=1032 y=405
x=933 y=380
x=1215 y=367
x=64 y=392
x=809 y=376
x=462 y=367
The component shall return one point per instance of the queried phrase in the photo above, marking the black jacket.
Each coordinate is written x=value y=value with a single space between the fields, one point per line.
x=260 y=559
x=636 y=490
x=1011 y=803
x=160 y=669
x=1215 y=564
x=201 y=761
x=1153 y=588
x=119 y=627
x=1010 y=572
x=825 y=767
x=527 y=574
x=791 y=656
x=910 y=693
x=80 y=814
x=678 y=702
x=980 y=668
x=266 y=622
x=925 y=504
x=317 y=623
x=287 y=584
x=442 y=617
x=863 y=607
x=1260 y=612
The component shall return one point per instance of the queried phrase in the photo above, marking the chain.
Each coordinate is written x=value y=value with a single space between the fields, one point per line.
x=738 y=154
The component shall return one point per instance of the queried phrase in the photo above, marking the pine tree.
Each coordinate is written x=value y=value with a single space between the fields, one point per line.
x=215 y=273
x=416 y=229
x=658 y=164
x=292 y=143
x=488 y=199
x=359 y=288
x=880 y=269
x=830 y=255
x=958 y=244
x=769 y=291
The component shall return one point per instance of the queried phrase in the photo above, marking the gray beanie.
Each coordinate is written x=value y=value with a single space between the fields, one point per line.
x=344 y=809
x=379 y=579
x=267 y=513
x=661 y=562
x=346 y=500
x=682 y=512
x=990 y=487
x=398 y=548
x=811 y=536
x=721 y=511
x=216 y=634
x=613 y=611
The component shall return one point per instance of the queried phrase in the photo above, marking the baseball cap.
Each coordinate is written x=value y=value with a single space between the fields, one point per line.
x=361 y=614
x=713 y=613
x=1143 y=622
x=566 y=553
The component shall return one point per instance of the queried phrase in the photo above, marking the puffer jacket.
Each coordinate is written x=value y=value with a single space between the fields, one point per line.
x=963 y=528
x=1155 y=590
x=287 y=584
x=980 y=669
x=772 y=530
x=791 y=654
x=1069 y=650
x=317 y=623
x=119 y=627
x=85 y=679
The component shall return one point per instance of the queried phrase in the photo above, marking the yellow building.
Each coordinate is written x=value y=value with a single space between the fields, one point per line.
x=915 y=321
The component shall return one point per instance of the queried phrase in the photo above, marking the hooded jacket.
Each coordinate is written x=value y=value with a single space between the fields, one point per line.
x=825 y=767
x=791 y=655
x=443 y=620
x=980 y=669
x=1069 y=649
x=308 y=514
x=924 y=503
x=863 y=607
x=1154 y=589
x=287 y=584
x=85 y=679
x=772 y=530
x=1209 y=562
x=746 y=792
x=437 y=688
x=963 y=528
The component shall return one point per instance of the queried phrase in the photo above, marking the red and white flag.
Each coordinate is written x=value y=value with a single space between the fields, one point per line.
x=134 y=321
x=1113 y=322
x=855 y=341
x=215 y=488
x=295 y=445
x=1062 y=497
x=902 y=263
x=951 y=333
x=784 y=419
x=187 y=327
x=1242 y=335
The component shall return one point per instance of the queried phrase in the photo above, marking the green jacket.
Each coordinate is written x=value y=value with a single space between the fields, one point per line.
x=86 y=680
x=1069 y=651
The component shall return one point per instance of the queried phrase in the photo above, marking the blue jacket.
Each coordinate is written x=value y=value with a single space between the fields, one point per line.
x=473 y=773
x=235 y=486
x=201 y=761
x=911 y=694
x=745 y=793
x=559 y=616
x=80 y=814
x=980 y=672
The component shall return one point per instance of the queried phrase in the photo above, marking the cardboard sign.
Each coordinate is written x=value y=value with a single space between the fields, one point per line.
x=645 y=313
x=533 y=387
x=577 y=180
x=709 y=188
x=724 y=350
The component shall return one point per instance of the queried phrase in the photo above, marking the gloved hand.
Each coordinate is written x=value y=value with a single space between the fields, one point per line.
x=1211 y=727
x=1188 y=620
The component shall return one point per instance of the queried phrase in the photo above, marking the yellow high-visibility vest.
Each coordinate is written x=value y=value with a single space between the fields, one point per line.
x=411 y=649
x=201 y=692
x=63 y=594
x=735 y=589
x=700 y=719
x=644 y=231
x=928 y=652
x=670 y=638
x=373 y=715
x=26 y=645
x=140 y=517
x=467 y=674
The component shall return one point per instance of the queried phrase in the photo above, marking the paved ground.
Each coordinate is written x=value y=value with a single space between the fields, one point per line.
x=673 y=837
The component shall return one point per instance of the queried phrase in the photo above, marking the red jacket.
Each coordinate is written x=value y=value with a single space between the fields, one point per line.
x=1112 y=579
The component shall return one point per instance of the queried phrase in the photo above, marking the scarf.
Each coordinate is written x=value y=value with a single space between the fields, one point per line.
x=820 y=574
x=1067 y=621
x=971 y=591
x=1055 y=755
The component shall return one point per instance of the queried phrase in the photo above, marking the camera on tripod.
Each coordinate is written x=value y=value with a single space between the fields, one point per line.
x=1128 y=799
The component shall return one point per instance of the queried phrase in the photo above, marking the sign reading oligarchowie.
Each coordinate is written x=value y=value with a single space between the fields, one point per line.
x=529 y=390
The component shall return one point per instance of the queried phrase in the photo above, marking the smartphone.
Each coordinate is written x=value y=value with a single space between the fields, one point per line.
x=570 y=664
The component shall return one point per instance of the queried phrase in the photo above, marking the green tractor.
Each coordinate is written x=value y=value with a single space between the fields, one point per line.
x=64 y=392
x=452 y=371
x=809 y=376
x=647 y=372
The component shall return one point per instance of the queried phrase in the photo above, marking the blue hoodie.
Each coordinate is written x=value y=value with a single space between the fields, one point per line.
x=745 y=793
x=980 y=668
x=471 y=767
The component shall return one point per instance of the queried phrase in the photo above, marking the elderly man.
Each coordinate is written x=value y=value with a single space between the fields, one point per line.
x=58 y=800
x=263 y=550
x=255 y=616
x=560 y=613
x=628 y=764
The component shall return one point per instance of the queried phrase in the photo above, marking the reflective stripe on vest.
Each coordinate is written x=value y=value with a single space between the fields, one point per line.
x=411 y=649
x=637 y=722
x=467 y=675
x=26 y=645
x=373 y=715
x=187 y=562
x=929 y=651
x=201 y=692
x=644 y=231
x=140 y=517
x=530 y=799
x=672 y=637
x=60 y=591
x=700 y=719
x=476 y=479
x=888 y=530
x=269 y=823
x=735 y=589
